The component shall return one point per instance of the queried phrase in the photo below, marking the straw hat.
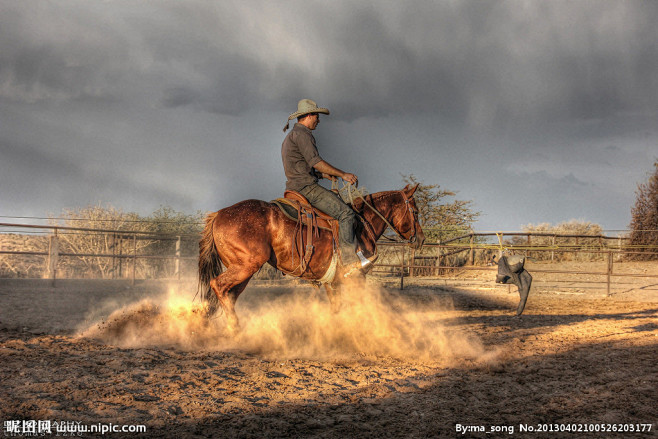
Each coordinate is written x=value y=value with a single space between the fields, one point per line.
x=305 y=106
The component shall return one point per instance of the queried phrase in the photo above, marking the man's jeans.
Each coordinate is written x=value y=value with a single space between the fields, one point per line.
x=331 y=204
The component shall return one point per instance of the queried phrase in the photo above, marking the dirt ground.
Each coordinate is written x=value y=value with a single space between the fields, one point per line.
x=425 y=362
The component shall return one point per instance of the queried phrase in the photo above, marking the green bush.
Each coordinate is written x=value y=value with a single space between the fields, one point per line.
x=644 y=218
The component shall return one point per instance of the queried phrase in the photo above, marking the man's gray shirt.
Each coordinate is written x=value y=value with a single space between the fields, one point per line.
x=299 y=155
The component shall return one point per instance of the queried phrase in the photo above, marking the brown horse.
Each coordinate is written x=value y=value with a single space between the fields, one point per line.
x=251 y=233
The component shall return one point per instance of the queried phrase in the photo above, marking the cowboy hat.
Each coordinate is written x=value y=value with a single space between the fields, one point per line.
x=305 y=106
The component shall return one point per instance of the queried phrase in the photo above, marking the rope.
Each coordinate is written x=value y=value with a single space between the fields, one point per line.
x=499 y=235
x=349 y=192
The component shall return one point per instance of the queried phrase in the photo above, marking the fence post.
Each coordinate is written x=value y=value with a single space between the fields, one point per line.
x=412 y=262
x=402 y=269
x=471 y=253
x=132 y=282
x=113 y=244
x=177 y=260
x=53 y=256
x=527 y=252
x=609 y=272
x=120 y=256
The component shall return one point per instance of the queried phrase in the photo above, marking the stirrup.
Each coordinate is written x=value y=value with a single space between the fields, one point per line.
x=367 y=262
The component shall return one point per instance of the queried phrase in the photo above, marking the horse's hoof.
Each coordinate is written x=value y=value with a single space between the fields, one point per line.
x=352 y=270
x=233 y=327
x=210 y=312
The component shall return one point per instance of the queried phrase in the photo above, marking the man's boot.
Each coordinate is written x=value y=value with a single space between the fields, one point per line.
x=362 y=265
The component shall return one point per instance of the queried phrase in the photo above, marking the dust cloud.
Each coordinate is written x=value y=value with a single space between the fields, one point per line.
x=295 y=324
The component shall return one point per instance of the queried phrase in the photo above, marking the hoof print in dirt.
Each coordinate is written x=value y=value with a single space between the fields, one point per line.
x=511 y=271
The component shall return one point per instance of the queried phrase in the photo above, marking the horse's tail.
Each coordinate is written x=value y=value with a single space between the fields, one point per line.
x=209 y=264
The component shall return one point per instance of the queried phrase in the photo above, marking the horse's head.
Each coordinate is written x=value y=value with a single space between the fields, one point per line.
x=406 y=220
x=394 y=209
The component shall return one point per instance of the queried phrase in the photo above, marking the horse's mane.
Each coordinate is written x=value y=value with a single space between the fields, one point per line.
x=358 y=205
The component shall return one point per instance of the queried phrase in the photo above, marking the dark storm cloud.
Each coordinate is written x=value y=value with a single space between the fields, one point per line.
x=43 y=179
x=52 y=54
x=231 y=88
x=469 y=62
x=178 y=96
x=23 y=158
x=478 y=64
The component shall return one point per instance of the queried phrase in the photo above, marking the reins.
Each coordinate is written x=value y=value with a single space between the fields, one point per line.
x=352 y=189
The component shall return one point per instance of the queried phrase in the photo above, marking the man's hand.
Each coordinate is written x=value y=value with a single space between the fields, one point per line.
x=329 y=176
x=350 y=178
x=327 y=171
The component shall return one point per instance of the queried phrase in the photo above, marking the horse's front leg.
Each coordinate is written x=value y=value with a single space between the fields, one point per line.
x=333 y=292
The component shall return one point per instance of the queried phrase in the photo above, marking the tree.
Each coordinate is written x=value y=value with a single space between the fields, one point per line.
x=188 y=227
x=88 y=243
x=170 y=221
x=20 y=265
x=154 y=238
x=440 y=219
x=572 y=227
x=644 y=217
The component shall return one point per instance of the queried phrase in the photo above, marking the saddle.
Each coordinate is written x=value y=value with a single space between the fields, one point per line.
x=309 y=219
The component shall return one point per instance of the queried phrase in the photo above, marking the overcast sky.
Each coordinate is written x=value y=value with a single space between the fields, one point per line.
x=538 y=111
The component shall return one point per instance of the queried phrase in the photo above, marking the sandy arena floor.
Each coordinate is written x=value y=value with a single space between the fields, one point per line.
x=427 y=362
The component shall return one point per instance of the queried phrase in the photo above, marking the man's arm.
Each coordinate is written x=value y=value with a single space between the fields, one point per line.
x=328 y=169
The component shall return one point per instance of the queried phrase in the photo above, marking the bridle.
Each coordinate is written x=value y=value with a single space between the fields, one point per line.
x=414 y=214
x=409 y=210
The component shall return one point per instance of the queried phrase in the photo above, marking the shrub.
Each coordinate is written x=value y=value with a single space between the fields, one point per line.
x=644 y=218
x=560 y=240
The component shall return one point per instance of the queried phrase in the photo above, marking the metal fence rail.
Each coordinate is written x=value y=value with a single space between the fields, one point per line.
x=124 y=246
x=472 y=251
x=609 y=250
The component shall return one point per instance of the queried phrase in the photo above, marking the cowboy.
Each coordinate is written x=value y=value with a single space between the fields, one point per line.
x=304 y=166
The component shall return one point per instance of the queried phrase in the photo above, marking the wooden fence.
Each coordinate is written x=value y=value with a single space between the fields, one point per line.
x=443 y=260
x=601 y=258
x=124 y=256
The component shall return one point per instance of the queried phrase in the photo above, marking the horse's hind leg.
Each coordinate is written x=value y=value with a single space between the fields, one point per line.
x=232 y=297
x=228 y=286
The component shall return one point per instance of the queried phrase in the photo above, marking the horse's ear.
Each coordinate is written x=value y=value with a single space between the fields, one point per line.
x=410 y=190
